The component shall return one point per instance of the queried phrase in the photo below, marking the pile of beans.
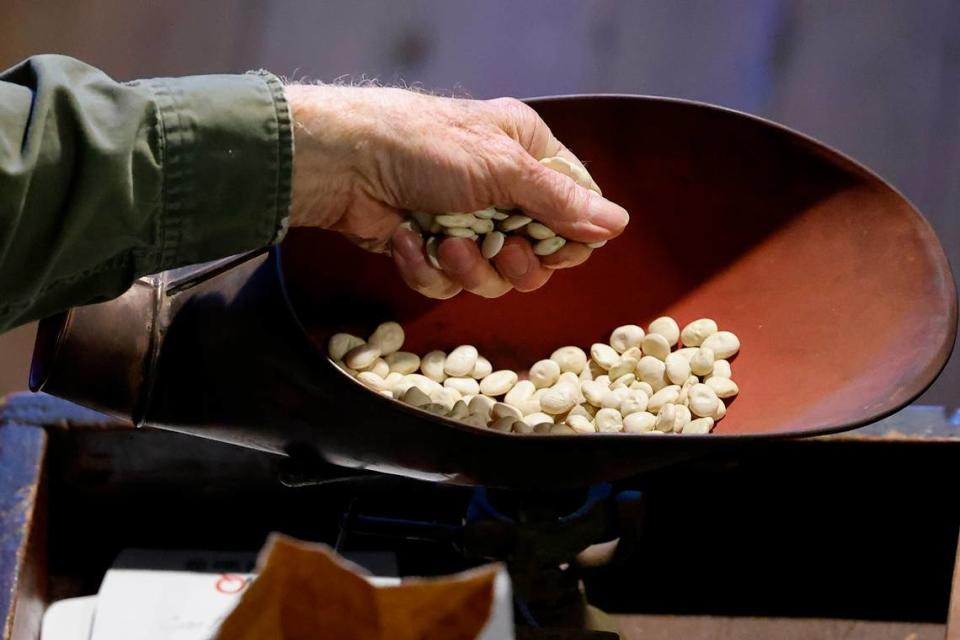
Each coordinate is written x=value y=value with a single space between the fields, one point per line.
x=490 y=227
x=662 y=380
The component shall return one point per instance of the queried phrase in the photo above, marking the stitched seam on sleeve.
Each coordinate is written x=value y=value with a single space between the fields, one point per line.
x=172 y=173
x=282 y=164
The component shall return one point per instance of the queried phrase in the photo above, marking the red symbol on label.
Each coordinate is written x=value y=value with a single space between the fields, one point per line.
x=229 y=584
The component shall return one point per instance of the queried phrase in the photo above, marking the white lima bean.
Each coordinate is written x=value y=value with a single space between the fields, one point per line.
x=571 y=359
x=655 y=345
x=461 y=361
x=388 y=337
x=721 y=411
x=724 y=387
x=608 y=421
x=724 y=344
x=481 y=227
x=504 y=410
x=642 y=382
x=625 y=380
x=623 y=367
x=580 y=424
x=514 y=222
x=702 y=361
x=481 y=405
x=544 y=373
x=455 y=219
x=562 y=430
x=549 y=246
x=539 y=231
x=721 y=369
x=666 y=396
x=361 y=357
x=380 y=367
x=445 y=397
x=666 y=327
x=558 y=399
x=604 y=355
x=521 y=392
x=640 y=422
x=431 y=365
x=613 y=398
x=492 y=244
x=633 y=402
x=697 y=331
x=460 y=410
x=652 y=371
x=340 y=343
x=698 y=427
x=482 y=369
x=685 y=389
x=498 y=382
x=403 y=362
x=642 y=386
x=537 y=418
x=372 y=380
x=702 y=401
x=520 y=426
x=683 y=417
x=678 y=368
x=392 y=379
x=594 y=392
x=415 y=397
x=666 y=419
x=626 y=337
x=459 y=232
x=466 y=386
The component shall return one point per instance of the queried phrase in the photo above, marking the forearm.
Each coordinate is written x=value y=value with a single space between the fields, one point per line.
x=101 y=182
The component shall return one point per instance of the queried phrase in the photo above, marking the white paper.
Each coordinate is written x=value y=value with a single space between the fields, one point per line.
x=183 y=598
x=155 y=595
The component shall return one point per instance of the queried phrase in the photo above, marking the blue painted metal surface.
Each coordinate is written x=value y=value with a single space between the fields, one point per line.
x=21 y=462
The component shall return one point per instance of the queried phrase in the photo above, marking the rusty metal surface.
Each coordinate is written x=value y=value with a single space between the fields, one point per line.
x=836 y=285
x=21 y=462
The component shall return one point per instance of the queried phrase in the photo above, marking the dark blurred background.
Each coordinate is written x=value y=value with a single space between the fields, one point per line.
x=878 y=79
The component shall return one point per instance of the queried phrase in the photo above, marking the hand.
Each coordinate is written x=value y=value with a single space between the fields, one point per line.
x=365 y=156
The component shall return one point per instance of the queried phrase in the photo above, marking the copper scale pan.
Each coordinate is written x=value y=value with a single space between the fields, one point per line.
x=838 y=288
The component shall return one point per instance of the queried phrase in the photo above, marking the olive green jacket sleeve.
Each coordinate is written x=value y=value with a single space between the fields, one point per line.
x=102 y=182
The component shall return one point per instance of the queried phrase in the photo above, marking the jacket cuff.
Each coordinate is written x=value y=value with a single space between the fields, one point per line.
x=226 y=152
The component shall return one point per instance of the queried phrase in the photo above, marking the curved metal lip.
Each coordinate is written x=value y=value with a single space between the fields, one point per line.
x=946 y=348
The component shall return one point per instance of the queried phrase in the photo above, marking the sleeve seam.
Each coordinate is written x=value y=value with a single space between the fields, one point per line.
x=170 y=134
x=282 y=165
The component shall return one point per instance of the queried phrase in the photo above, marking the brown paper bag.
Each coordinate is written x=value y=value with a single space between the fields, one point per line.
x=306 y=592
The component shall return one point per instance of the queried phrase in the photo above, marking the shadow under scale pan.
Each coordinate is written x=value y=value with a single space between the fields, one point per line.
x=838 y=289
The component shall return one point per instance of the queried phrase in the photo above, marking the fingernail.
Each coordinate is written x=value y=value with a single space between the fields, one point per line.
x=406 y=242
x=514 y=263
x=456 y=258
x=606 y=214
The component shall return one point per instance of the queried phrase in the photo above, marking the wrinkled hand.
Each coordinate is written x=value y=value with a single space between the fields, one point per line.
x=365 y=156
